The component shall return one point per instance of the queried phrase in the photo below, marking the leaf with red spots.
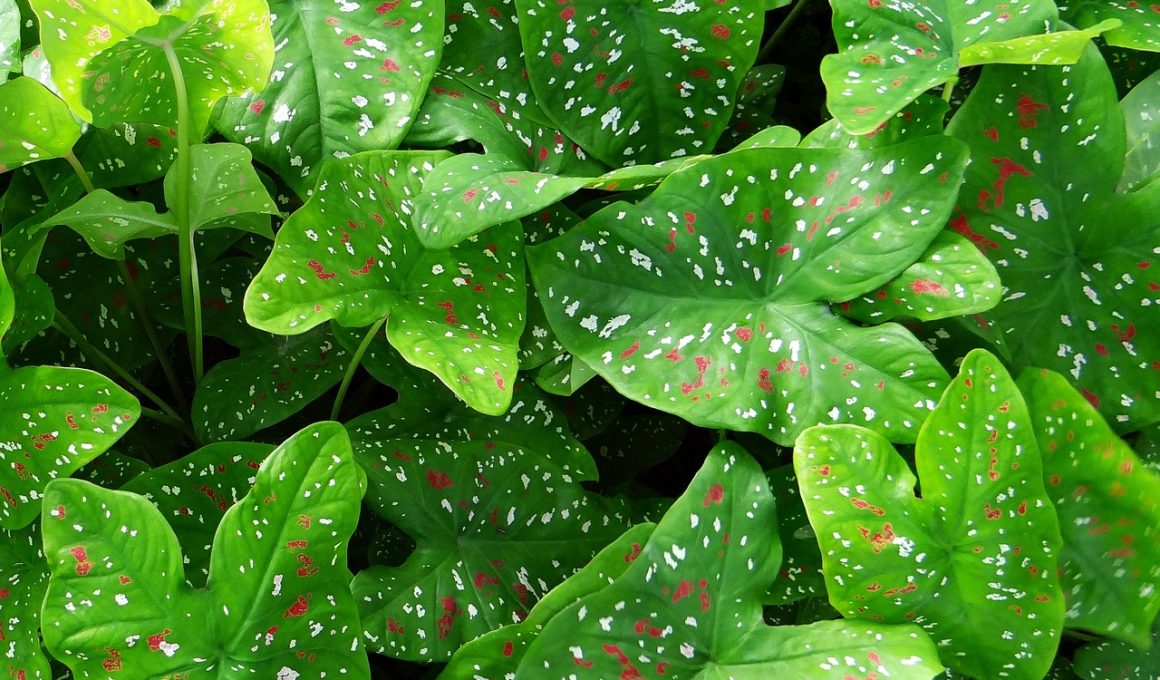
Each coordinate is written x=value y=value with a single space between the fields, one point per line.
x=112 y=469
x=1108 y=504
x=34 y=124
x=690 y=603
x=23 y=580
x=708 y=299
x=1080 y=263
x=1140 y=19
x=351 y=254
x=753 y=110
x=347 y=78
x=974 y=560
x=500 y=651
x=639 y=82
x=497 y=520
x=277 y=600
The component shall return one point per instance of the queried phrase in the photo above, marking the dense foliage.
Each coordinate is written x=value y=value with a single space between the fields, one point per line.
x=579 y=339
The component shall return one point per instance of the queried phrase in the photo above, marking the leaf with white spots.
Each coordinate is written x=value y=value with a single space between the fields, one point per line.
x=1060 y=47
x=23 y=580
x=223 y=286
x=1080 y=264
x=1108 y=504
x=351 y=254
x=891 y=51
x=499 y=652
x=564 y=375
x=1109 y=659
x=1140 y=19
x=224 y=187
x=689 y=605
x=112 y=469
x=346 y=78
x=496 y=524
x=920 y=118
x=639 y=82
x=756 y=98
x=9 y=38
x=708 y=299
x=974 y=560
x=126 y=153
x=1142 y=113
x=106 y=221
x=34 y=124
x=277 y=601
x=267 y=384
x=952 y=278
x=194 y=492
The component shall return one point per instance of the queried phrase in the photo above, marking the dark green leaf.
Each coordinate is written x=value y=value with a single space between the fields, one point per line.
x=800 y=575
x=23 y=580
x=106 y=221
x=1114 y=659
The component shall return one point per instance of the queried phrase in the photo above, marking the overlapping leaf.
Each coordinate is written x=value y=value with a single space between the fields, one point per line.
x=1142 y=114
x=708 y=298
x=1109 y=512
x=800 y=575
x=1078 y=262
x=23 y=580
x=689 y=604
x=973 y=561
x=277 y=601
x=1141 y=20
x=106 y=221
x=9 y=38
x=224 y=186
x=351 y=254
x=347 y=79
x=1114 y=659
x=34 y=124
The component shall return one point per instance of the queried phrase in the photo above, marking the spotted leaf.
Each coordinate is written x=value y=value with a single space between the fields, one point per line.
x=1142 y=112
x=497 y=654
x=1109 y=512
x=707 y=299
x=347 y=79
x=34 y=124
x=1141 y=20
x=9 y=38
x=351 y=254
x=1080 y=268
x=639 y=82
x=106 y=221
x=973 y=561
x=278 y=577
x=1106 y=659
x=224 y=187
x=920 y=118
x=756 y=98
x=267 y=384
x=23 y=580
x=689 y=604
x=194 y=493
x=496 y=526
x=891 y=51
x=127 y=153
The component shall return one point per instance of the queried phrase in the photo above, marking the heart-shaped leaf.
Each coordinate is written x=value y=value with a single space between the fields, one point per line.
x=973 y=561
x=278 y=576
x=708 y=298
x=348 y=79
x=34 y=124
x=891 y=51
x=1078 y=262
x=639 y=82
x=457 y=313
x=106 y=221
x=194 y=493
x=1109 y=512
x=23 y=580
x=1142 y=113
x=689 y=604
x=1141 y=20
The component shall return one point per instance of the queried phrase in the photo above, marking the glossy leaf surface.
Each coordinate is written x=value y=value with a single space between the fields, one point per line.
x=973 y=561
x=34 y=124
x=9 y=38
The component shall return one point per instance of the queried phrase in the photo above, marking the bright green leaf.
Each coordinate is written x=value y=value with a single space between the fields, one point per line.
x=34 y=124
x=9 y=38
x=920 y=118
x=23 y=580
x=225 y=186
x=106 y=222
x=1142 y=113
x=1048 y=49
x=1141 y=20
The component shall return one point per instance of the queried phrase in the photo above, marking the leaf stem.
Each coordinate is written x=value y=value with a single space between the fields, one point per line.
x=166 y=419
x=949 y=88
x=187 y=256
x=355 y=360
x=75 y=163
x=781 y=30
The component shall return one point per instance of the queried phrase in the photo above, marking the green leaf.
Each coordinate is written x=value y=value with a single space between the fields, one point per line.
x=278 y=575
x=1049 y=49
x=225 y=186
x=351 y=254
x=1078 y=262
x=34 y=124
x=1114 y=659
x=708 y=298
x=756 y=98
x=127 y=153
x=9 y=38
x=266 y=385
x=194 y=493
x=112 y=469
x=510 y=519
x=23 y=580
x=891 y=52
x=639 y=82
x=1109 y=511
x=689 y=604
x=346 y=81
x=952 y=278
x=500 y=651
x=920 y=118
x=973 y=561
x=106 y=222
x=800 y=575
x=1141 y=20
x=223 y=286
x=1142 y=112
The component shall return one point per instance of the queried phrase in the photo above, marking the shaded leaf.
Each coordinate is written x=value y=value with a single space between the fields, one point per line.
x=23 y=580
x=126 y=153
x=224 y=186
x=800 y=575
x=112 y=469
x=106 y=221
x=1115 y=659
x=34 y=124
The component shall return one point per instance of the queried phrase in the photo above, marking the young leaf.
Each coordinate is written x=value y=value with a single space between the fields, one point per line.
x=639 y=82
x=105 y=221
x=346 y=81
x=727 y=326
x=1141 y=20
x=225 y=185
x=973 y=561
x=351 y=254
x=1061 y=47
x=23 y=580
x=277 y=602
x=689 y=604
x=34 y=124
x=1109 y=511
x=1076 y=259
x=1142 y=113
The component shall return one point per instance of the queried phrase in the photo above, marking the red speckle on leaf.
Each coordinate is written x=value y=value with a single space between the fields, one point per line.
x=874 y=4
x=923 y=286
x=482 y=579
x=674 y=355
x=991 y=513
x=567 y=13
x=507 y=648
x=714 y=495
x=784 y=365
x=620 y=87
x=630 y=351
x=365 y=269
x=879 y=539
x=632 y=554
x=1028 y=111
x=1091 y=397
x=154 y=641
x=684 y=589
x=763 y=382
x=784 y=248
x=991 y=133
x=745 y=334
x=352 y=39
x=720 y=31
x=389 y=65
x=385 y=7
x=153 y=142
x=447 y=620
x=959 y=225
x=497 y=378
x=320 y=271
x=863 y=505
x=449 y=308
x=557 y=58
x=702 y=366
x=438 y=480
x=1101 y=349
